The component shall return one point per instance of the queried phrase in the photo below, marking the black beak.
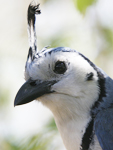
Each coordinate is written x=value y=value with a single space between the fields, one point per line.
x=31 y=90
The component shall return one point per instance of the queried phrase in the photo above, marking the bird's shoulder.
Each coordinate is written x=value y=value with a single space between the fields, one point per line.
x=103 y=126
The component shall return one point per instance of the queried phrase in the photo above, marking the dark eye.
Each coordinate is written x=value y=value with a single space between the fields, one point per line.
x=60 y=67
x=89 y=76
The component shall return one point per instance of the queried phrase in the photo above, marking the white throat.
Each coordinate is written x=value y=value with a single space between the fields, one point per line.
x=71 y=131
x=71 y=117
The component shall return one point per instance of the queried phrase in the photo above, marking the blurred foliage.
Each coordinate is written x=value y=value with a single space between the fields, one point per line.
x=4 y=95
x=82 y=5
x=108 y=35
x=51 y=125
x=105 y=52
x=42 y=141
x=60 y=40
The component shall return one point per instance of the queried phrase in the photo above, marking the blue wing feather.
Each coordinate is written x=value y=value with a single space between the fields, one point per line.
x=103 y=126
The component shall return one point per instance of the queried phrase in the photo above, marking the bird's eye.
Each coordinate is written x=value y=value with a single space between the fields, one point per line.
x=60 y=67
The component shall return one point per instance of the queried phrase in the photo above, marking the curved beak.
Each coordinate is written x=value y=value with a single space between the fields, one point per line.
x=31 y=90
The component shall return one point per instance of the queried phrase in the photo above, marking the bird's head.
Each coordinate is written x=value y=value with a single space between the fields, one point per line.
x=57 y=75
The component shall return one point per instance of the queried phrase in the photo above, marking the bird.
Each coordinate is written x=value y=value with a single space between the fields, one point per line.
x=79 y=94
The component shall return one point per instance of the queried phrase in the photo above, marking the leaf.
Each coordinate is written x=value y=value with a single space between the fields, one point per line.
x=82 y=5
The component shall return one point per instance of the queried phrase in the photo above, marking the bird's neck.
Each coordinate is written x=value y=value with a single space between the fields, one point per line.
x=72 y=130
x=72 y=120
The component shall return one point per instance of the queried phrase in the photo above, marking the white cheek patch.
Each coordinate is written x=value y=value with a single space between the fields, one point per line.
x=74 y=81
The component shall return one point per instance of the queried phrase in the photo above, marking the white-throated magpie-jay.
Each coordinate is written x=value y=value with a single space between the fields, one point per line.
x=79 y=94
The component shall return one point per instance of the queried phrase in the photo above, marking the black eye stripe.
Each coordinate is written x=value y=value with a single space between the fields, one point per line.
x=60 y=67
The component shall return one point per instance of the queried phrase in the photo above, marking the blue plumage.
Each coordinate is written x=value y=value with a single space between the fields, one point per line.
x=103 y=127
x=103 y=124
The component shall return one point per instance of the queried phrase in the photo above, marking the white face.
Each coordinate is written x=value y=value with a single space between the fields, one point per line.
x=73 y=81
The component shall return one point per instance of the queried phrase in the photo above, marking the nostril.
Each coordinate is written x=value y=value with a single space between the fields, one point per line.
x=33 y=83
